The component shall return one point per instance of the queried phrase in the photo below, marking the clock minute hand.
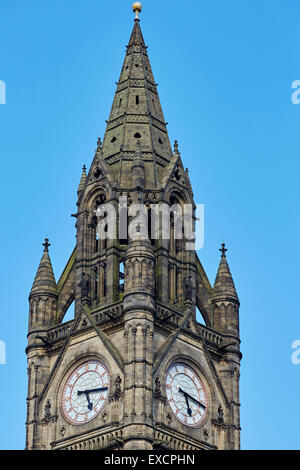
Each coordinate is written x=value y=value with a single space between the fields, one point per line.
x=103 y=389
x=81 y=392
x=192 y=398
x=196 y=401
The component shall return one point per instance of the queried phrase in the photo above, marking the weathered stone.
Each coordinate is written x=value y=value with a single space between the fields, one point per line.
x=140 y=328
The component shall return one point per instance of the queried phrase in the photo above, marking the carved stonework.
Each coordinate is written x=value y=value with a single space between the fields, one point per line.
x=84 y=284
x=157 y=389
x=48 y=415
x=136 y=293
x=220 y=415
x=118 y=390
x=188 y=288
x=104 y=417
x=169 y=418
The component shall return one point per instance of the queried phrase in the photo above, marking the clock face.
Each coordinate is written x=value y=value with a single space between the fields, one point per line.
x=85 y=392
x=186 y=394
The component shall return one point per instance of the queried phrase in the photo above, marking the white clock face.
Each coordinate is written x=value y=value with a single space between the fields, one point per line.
x=186 y=394
x=85 y=392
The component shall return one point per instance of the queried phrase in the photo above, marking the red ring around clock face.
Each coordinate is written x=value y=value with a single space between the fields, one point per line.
x=85 y=392
x=186 y=394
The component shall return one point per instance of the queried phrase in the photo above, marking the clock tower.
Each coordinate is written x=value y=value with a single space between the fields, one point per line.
x=133 y=369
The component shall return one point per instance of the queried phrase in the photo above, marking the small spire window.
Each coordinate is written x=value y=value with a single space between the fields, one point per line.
x=137 y=99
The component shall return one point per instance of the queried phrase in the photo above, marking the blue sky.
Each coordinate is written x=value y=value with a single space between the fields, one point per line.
x=225 y=71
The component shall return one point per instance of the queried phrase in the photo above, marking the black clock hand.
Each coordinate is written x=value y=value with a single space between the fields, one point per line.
x=87 y=392
x=191 y=398
x=81 y=392
x=187 y=402
x=196 y=401
x=103 y=389
x=188 y=406
x=90 y=404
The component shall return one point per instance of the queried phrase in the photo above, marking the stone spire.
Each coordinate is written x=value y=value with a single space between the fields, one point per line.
x=44 y=282
x=82 y=180
x=138 y=168
x=136 y=114
x=224 y=288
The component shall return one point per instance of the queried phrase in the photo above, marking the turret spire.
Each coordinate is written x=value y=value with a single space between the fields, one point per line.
x=44 y=282
x=224 y=288
x=225 y=299
x=82 y=180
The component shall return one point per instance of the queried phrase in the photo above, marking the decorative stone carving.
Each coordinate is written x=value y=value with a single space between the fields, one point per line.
x=169 y=418
x=188 y=288
x=220 y=415
x=157 y=389
x=85 y=286
x=104 y=416
x=118 y=389
x=47 y=413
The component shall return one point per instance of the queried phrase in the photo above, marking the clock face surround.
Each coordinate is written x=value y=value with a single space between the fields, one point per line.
x=186 y=394
x=85 y=392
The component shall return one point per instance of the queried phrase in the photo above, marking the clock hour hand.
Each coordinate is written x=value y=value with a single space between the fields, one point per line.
x=87 y=394
x=188 y=406
x=191 y=398
x=90 y=404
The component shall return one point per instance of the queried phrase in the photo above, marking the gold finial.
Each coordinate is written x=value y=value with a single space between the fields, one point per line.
x=137 y=8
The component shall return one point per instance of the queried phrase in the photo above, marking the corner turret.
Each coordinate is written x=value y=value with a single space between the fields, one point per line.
x=43 y=294
x=225 y=299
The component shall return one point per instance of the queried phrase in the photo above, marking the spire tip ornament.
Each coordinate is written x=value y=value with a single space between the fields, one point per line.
x=46 y=244
x=223 y=250
x=137 y=8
